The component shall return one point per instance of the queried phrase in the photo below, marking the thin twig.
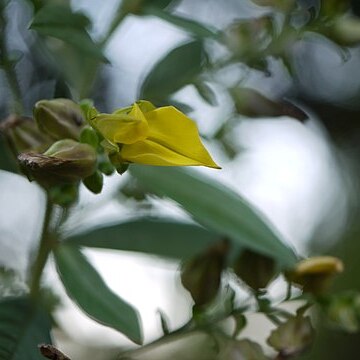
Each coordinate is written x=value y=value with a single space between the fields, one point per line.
x=51 y=352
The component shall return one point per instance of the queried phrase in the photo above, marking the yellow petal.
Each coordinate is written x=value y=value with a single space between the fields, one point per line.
x=177 y=138
x=123 y=128
x=148 y=152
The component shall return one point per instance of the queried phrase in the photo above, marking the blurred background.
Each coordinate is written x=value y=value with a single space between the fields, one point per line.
x=274 y=87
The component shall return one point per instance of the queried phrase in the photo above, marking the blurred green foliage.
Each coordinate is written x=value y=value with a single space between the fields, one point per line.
x=63 y=59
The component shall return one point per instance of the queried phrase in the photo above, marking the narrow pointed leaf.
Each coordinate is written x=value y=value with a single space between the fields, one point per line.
x=85 y=286
x=217 y=207
x=193 y=27
x=178 y=68
x=23 y=326
x=162 y=237
x=60 y=22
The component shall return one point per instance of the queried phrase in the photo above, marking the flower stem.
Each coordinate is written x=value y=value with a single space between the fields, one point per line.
x=44 y=250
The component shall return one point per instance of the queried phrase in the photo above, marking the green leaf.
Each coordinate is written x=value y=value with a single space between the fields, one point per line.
x=85 y=286
x=177 y=69
x=159 y=3
x=137 y=6
x=206 y=92
x=217 y=207
x=60 y=22
x=250 y=102
x=23 y=326
x=60 y=15
x=161 y=237
x=193 y=27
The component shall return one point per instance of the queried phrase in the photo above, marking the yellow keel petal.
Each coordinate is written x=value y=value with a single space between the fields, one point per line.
x=148 y=152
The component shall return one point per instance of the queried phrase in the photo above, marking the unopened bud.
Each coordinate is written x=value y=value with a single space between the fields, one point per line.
x=23 y=134
x=59 y=118
x=201 y=276
x=94 y=182
x=66 y=161
x=292 y=337
x=315 y=274
x=245 y=38
x=256 y=270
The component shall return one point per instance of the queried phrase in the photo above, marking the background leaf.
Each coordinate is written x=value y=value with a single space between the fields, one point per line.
x=206 y=92
x=194 y=28
x=85 y=286
x=60 y=22
x=177 y=69
x=23 y=326
x=217 y=207
x=161 y=237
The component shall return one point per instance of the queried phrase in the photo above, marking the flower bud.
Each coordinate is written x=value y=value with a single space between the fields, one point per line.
x=94 y=182
x=201 y=275
x=66 y=161
x=256 y=270
x=22 y=134
x=292 y=337
x=59 y=118
x=315 y=274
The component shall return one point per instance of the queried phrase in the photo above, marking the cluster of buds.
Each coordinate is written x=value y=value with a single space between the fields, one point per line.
x=67 y=143
x=48 y=146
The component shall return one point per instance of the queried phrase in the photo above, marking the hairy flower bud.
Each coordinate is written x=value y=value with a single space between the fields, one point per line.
x=59 y=118
x=256 y=270
x=292 y=337
x=66 y=161
x=201 y=275
x=22 y=134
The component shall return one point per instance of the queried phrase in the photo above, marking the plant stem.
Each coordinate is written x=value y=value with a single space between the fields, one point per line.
x=7 y=65
x=44 y=250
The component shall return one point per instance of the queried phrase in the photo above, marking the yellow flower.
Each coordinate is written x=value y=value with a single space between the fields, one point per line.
x=147 y=135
